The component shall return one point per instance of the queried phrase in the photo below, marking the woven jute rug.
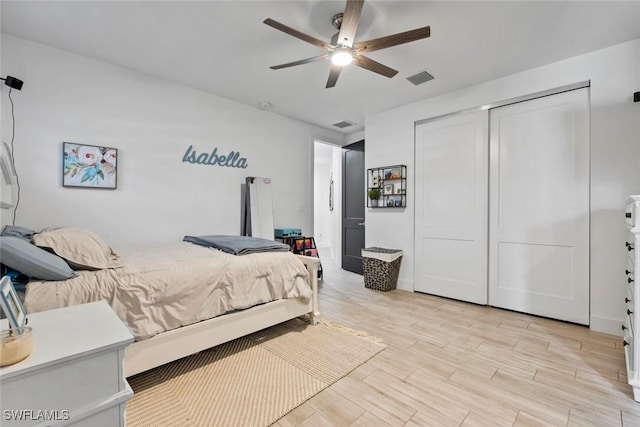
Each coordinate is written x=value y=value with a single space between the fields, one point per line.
x=251 y=381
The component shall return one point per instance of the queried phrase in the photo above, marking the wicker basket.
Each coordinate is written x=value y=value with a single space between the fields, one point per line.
x=381 y=268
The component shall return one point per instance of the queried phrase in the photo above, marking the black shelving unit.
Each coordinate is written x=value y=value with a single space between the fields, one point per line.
x=391 y=184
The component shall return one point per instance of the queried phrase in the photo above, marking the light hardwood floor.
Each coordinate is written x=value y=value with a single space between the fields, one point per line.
x=450 y=363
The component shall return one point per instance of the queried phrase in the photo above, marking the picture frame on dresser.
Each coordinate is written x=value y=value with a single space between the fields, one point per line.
x=11 y=305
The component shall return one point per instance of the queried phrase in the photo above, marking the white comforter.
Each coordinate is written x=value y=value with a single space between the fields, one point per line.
x=176 y=286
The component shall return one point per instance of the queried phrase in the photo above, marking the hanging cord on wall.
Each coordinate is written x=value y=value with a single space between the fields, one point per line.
x=12 y=158
x=13 y=83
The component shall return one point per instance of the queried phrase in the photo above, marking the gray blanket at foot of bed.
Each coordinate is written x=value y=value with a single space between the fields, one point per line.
x=238 y=245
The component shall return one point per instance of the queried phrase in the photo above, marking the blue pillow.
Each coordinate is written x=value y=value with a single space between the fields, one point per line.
x=15 y=230
x=32 y=261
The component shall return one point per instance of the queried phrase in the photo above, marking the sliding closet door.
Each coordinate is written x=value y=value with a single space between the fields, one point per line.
x=539 y=207
x=451 y=207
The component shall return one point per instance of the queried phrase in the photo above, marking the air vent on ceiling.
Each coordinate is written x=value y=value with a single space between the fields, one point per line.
x=420 y=77
x=343 y=124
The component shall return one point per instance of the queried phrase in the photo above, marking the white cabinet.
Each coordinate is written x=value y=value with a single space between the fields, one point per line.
x=632 y=245
x=74 y=374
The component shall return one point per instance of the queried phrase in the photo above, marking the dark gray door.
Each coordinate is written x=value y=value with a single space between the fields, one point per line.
x=353 y=202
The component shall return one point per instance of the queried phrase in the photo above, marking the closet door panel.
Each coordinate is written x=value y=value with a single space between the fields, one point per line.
x=539 y=207
x=451 y=207
x=534 y=268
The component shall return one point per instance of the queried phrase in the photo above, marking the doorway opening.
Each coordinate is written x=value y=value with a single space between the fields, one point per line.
x=327 y=202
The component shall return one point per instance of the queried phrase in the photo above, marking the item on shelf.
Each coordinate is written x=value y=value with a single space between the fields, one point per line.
x=288 y=232
x=374 y=195
x=12 y=305
x=303 y=245
x=14 y=346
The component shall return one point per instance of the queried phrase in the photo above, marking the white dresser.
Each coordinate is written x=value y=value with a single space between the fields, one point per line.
x=74 y=374
x=632 y=317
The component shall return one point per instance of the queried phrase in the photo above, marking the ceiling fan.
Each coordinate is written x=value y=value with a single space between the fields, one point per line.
x=343 y=50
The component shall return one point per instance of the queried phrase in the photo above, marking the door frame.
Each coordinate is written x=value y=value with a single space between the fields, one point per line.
x=360 y=196
x=335 y=254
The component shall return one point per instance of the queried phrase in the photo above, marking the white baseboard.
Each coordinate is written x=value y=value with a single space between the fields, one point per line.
x=405 y=285
x=606 y=325
x=597 y=323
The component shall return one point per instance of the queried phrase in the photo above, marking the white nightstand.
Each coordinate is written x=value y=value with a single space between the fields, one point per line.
x=75 y=373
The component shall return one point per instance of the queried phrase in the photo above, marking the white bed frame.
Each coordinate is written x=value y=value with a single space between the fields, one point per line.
x=178 y=343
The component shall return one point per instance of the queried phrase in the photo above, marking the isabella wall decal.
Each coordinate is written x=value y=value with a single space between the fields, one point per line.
x=231 y=160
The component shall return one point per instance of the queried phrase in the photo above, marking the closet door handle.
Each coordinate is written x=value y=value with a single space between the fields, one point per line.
x=624 y=327
x=629 y=311
x=629 y=246
x=627 y=214
x=628 y=272
x=627 y=300
x=625 y=343
x=629 y=279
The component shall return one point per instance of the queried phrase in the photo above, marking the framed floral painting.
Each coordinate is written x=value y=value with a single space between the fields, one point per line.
x=89 y=166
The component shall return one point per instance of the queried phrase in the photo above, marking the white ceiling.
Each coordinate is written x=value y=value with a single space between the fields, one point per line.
x=223 y=47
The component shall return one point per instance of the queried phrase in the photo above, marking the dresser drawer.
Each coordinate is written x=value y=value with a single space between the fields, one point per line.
x=628 y=335
x=630 y=246
x=629 y=325
x=630 y=214
x=632 y=307
x=629 y=353
x=631 y=254
x=67 y=385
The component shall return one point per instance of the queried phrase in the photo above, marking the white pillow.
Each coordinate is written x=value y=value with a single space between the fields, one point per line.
x=82 y=249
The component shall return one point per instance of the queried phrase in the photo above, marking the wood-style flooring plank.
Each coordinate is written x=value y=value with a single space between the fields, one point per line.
x=451 y=363
x=438 y=408
x=317 y=420
x=297 y=416
x=335 y=408
x=380 y=404
x=368 y=420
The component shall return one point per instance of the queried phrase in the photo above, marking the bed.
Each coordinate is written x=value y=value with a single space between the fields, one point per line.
x=177 y=299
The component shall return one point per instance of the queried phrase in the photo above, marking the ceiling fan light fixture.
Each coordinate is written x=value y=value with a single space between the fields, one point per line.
x=343 y=50
x=342 y=56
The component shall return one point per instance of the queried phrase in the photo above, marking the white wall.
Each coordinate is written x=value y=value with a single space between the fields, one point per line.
x=355 y=137
x=614 y=74
x=72 y=98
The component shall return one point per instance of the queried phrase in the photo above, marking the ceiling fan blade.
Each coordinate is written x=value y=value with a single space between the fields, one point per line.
x=300 y=62
x=350 y=20
x=376 y=67
x=333 y=75
x=297 y=34
x=392 y=40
